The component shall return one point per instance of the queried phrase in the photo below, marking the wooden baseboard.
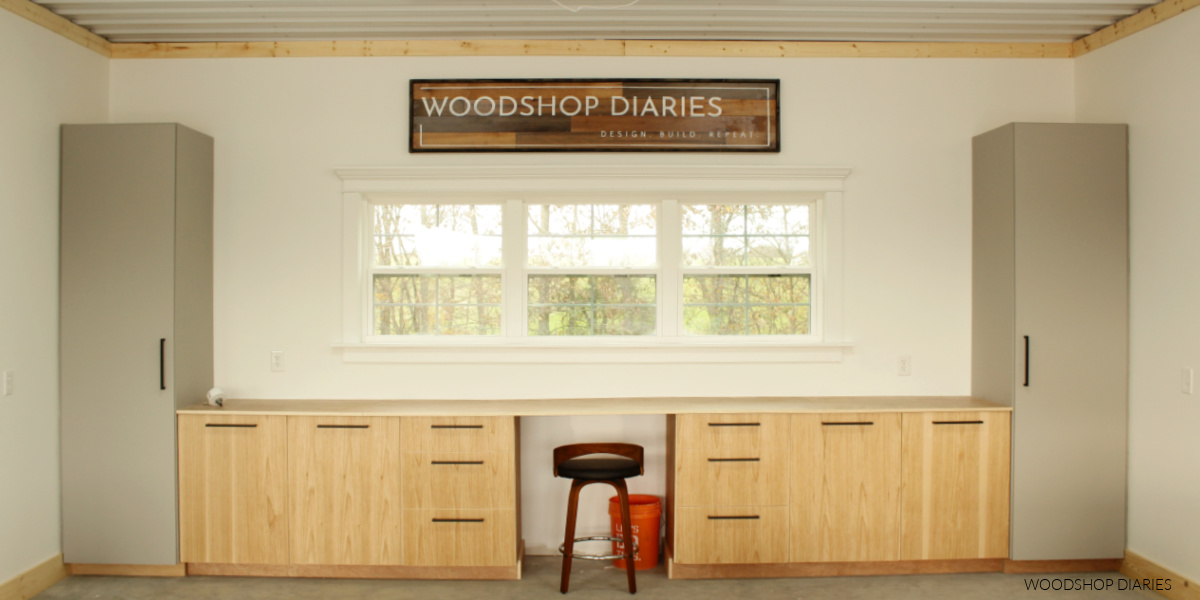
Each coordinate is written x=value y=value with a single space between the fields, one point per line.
x=1062 y=566
x=128 y=570
x=833 y=569
x=356 y=571
x=35 y=580
x=1154 y=577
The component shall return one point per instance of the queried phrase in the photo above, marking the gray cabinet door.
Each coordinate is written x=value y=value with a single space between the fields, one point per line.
x=117 y=298
x=1071 y=299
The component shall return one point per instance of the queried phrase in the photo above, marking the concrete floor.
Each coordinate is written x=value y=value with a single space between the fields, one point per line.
x=588 y=580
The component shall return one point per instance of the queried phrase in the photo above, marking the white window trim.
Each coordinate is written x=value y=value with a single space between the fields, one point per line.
x=519 y=183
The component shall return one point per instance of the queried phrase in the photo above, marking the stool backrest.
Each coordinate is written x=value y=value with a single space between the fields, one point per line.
x=565 y=453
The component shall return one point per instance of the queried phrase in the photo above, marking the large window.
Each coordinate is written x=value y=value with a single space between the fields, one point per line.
x=574 y=268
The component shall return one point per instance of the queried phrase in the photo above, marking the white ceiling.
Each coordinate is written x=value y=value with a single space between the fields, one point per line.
x=793 y=20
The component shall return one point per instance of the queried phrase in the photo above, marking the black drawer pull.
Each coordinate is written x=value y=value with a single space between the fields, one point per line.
x=847 y=423
x=456 y=462
x=458 y=520
x=230 y=425
x=162 y=363
x=735 y=424
x=734 y=459
x=733 y=518
x=456 y=426
x=343 y=426
x=958 y=422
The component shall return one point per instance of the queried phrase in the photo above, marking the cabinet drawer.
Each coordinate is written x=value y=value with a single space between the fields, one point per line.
x=460 y=538
x=717 y=477
x=742 y=535
x=732 y=435
x=459 y=480
x=458 y=434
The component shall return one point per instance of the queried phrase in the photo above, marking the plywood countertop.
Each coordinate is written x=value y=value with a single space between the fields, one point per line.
x=599 y=406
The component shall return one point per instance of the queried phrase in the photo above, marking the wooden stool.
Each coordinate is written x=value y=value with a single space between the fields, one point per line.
x=583 y=471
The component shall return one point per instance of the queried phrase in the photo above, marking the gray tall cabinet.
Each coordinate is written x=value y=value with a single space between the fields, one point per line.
x=136 y=331
x=1050 y=327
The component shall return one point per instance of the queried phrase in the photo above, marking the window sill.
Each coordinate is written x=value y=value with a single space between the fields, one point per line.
x=605 y=351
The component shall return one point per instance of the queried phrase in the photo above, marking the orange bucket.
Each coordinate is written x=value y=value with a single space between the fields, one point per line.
x=645 y=514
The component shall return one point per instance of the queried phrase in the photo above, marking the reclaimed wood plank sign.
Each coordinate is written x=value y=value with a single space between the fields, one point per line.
x=594 y=115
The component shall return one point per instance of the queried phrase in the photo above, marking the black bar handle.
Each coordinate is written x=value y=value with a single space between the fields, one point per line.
x=230 y=425
x=456 y=462
x=734 y=459
x=733 y=518
x=343 y=426
x=847 y=423
x=734 y=424
x=456 y=426
x=958 y=422
x=457 y=520
x=1026 y=361
x=162 y=363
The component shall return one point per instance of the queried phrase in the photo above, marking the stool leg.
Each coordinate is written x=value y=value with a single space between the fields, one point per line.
x=569 y=539
x=627 y=524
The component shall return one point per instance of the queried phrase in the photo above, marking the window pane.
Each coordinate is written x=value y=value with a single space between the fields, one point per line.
x=411 y=235
x=437 y=304
x=755 y=235
x=747 y=304
x=592 y=305
x=592 y=235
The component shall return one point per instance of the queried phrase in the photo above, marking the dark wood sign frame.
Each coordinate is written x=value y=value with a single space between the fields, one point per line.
x=739 y=122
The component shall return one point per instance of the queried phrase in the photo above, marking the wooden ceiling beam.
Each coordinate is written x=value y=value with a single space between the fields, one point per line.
x=1132 y=24
x=42 y=16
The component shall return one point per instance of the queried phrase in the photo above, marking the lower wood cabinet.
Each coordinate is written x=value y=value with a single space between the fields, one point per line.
x=845 y=487
x=233 y=493
x=328 y=491
x=344 y=490
x=855 y=488
x=956 y=477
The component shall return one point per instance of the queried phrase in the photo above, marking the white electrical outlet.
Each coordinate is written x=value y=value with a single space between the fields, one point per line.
x=1186 y=381
x=7 y=383
x=904 y=366
x=277 y=360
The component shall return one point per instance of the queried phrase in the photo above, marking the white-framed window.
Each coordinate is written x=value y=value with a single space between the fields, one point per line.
x=561 y=261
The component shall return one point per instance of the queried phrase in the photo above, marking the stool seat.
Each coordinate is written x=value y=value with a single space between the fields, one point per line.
x=599 y=468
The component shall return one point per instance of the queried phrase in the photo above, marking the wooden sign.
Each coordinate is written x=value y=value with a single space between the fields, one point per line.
x=594 y=115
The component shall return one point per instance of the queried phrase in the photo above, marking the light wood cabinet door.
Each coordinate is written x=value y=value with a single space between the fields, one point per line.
x=460 y=538
x=845 y=496
x=454 y=480
x=955 y=493
x=731 y=460
x=344 y=482
x=731 y=535
x=233 y=489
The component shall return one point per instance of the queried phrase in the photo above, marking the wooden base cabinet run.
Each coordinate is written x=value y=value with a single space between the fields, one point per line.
x=348 y=496
x=856 y=493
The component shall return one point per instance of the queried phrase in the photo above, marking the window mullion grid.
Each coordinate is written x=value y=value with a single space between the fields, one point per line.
x=670 y=263
x=515 y=252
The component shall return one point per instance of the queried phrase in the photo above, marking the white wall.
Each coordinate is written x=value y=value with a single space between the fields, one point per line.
x=45 y=81
x=282 y=125
x=1152 y=81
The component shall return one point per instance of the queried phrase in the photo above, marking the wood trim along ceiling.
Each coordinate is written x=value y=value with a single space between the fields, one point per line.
x=1132 y=24
x=42 y=16
x=693 y=48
